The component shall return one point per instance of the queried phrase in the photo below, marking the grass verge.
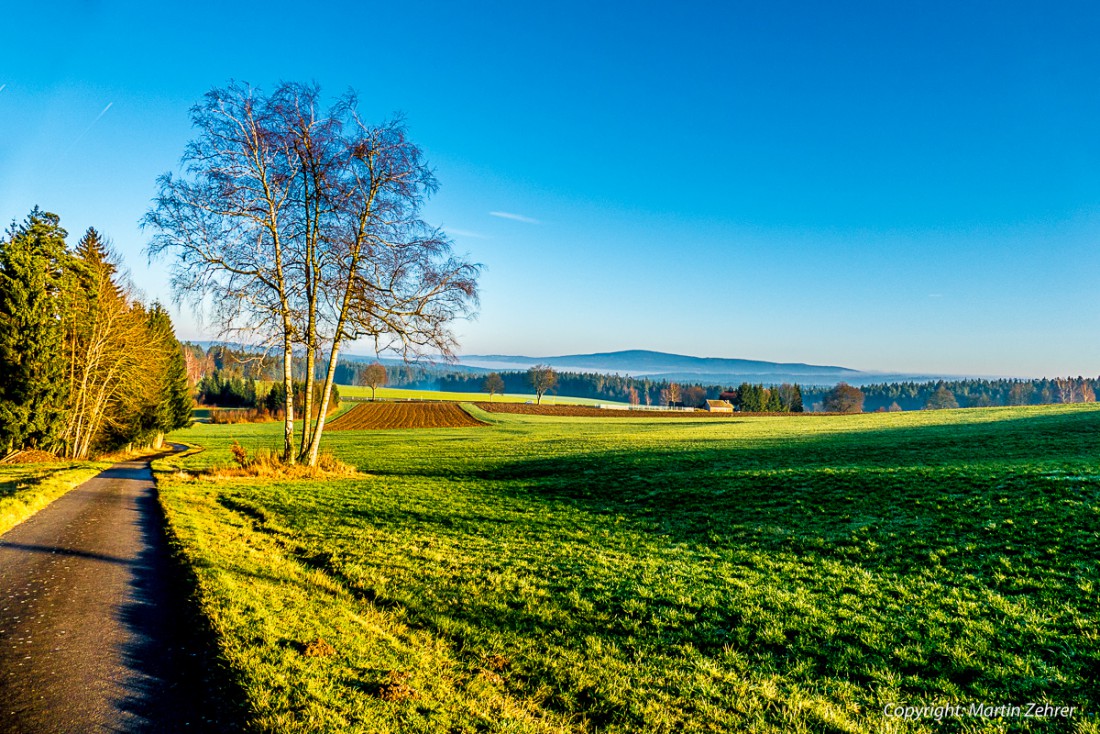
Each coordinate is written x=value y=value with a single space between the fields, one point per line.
x=27 y=488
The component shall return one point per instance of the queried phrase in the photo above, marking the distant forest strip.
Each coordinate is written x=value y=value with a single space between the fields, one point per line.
x=972 y=393
x=85 y=366
x=228 y=372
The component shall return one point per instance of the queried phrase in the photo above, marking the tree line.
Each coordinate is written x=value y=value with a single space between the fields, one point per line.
x=85 y=366
x=897 y=396
x=619 y=388
x=575 y=384
x=969 y=393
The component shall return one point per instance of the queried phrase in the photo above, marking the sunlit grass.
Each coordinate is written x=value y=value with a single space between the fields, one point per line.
x=27 y=488
x=568 y=574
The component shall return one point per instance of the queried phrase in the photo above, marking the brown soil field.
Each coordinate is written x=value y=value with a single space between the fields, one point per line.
x=372 y=416
x=584 y=411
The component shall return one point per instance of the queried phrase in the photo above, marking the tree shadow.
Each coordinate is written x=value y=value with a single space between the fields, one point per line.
x=178 y=679
x=833 y=483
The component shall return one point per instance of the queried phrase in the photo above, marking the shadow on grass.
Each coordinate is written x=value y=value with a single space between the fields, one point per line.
x=1051 y=438
x=179 y=680
x=883 y=499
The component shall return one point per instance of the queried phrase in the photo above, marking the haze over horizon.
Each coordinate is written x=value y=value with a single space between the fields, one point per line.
x=886 y=188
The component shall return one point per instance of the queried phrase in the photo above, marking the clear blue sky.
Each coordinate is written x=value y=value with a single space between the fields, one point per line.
x=892 y=186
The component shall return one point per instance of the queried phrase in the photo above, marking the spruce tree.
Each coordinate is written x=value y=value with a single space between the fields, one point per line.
x=796 y=402
x=174 y=403
x=180 y=402
x=773 y=403
x=34 y=274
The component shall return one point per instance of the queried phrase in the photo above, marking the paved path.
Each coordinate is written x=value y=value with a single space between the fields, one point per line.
x=91 y=629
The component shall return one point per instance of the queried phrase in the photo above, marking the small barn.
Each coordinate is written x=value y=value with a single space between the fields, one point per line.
x=719 y=406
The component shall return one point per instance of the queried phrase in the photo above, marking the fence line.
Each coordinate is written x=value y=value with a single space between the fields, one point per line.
x=664 y=408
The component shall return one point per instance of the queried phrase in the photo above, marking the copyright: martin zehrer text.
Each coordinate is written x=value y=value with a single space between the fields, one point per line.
x=978 y=711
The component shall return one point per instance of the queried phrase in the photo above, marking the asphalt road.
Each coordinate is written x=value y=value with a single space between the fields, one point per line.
x=94 y=636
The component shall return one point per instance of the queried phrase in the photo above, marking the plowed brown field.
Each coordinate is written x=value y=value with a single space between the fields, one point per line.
x=584 y=411
x=373 y=416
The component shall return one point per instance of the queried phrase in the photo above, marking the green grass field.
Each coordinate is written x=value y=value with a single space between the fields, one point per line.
x=581 y=575
x=396 y=393
x=27 y=488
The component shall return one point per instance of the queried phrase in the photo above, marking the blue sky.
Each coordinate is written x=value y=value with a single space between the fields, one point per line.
x=904 y=187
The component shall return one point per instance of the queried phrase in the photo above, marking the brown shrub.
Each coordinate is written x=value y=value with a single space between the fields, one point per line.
x=30 y=456
x=244 y=415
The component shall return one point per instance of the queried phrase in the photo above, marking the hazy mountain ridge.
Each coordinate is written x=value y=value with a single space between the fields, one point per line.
x=657 y=366
x=688 y=369
x=640 y=362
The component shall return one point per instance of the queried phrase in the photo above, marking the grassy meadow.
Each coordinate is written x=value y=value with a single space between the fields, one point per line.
x=27 y=488
x=597 y=575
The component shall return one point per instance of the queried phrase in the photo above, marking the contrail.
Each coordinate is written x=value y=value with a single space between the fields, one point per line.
x=2 y=87
x=515 y=217
x=81 y=135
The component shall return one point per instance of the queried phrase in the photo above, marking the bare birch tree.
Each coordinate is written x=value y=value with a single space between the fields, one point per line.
x=382 y=273
x=302 y=224
x=225 y=220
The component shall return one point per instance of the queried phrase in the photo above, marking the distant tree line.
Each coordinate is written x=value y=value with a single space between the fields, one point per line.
x=252 y=364
x=575 y=384
x=973 y=393
x=633 y=390
x=229 y=389
x=267 y=366
x=747 y=398
x=226 y=389
x=896 y=396
x=85 y=367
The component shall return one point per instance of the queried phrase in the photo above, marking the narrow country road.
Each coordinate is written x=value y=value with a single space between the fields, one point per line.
x=93 y=632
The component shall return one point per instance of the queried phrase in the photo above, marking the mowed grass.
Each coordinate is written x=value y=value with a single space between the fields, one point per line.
x=579 y=575
x=397 y=393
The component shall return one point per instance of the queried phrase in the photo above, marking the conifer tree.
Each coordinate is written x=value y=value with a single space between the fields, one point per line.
x=774 y=403
x=176 y=403
x=796 y=405
x=33 y=271
x=93 y=250
x=752 y=398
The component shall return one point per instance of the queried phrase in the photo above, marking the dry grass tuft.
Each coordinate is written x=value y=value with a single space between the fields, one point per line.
x=319 y=649
x=268 y=464
x=396 y=688
x=490 y=677
x=497 y=662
